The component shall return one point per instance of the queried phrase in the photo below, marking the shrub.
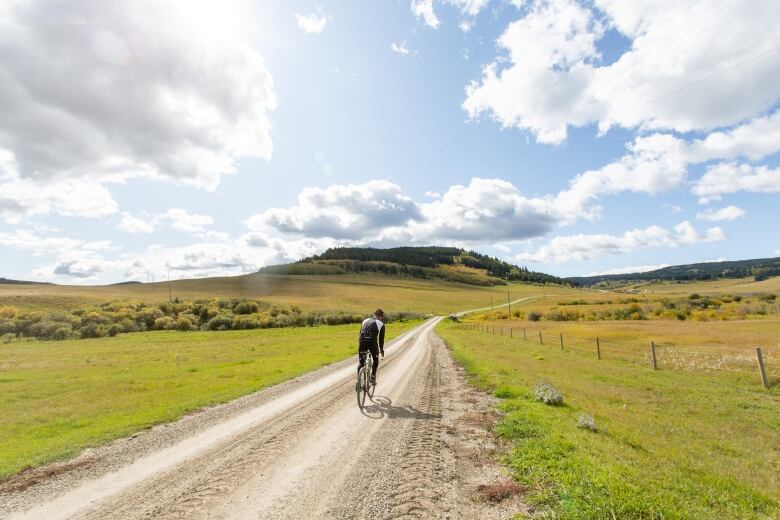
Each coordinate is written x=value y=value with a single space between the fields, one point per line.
x=114 y=329
x=164 y=323
x=246 y=307
x=547 y=394
x=587 y=422
x=7 y=312
x=8 y=337
x=534 y=316
x=246 y=321
x=220 y=322
x=93 y=330
x=183 y=323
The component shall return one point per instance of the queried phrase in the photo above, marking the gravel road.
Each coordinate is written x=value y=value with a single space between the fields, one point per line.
x=302 y=449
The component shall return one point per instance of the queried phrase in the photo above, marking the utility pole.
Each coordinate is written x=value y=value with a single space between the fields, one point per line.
x=170 y=298
x=509 y=304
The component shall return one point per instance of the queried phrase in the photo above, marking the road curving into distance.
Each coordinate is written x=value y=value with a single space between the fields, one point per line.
x=302 y=449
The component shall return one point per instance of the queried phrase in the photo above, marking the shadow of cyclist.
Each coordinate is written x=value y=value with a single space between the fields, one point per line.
x=382 y=406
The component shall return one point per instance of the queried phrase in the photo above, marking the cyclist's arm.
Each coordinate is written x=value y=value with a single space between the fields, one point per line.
x=382 y=339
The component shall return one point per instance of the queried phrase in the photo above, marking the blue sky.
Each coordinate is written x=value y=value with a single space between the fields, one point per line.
x=208 y=138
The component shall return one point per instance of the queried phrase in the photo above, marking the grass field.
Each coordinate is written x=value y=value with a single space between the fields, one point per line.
x=349 y=293
x=62 y=396
x=670 y=444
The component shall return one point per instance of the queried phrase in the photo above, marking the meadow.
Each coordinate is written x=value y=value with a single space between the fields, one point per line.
x=661 y=444
x=60 y=397
x=324 y=293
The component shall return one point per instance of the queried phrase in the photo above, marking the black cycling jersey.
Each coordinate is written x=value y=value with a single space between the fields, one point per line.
x=372 y=333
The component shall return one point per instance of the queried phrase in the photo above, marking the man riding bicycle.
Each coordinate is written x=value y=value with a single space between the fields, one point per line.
x=372 y=339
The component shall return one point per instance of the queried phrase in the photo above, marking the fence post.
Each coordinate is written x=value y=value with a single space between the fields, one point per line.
x=561 y=340
x=761 y=367
x=502 y=331
x=540 y=337
x=524 y=337
x=655 y=361
x=598 y=348
x=511 y=334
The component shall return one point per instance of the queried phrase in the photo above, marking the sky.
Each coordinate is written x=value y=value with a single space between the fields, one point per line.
x=147 y=139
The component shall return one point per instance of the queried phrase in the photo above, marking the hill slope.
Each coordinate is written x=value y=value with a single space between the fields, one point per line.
x=447 y=263
x=760 y=268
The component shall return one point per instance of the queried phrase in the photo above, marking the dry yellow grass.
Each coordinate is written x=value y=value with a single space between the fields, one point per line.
x=312 y=292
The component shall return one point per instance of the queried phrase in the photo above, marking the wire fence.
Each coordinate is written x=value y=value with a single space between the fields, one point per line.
x=763 y=363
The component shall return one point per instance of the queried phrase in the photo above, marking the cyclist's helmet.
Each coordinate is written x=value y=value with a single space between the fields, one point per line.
x=379 y=313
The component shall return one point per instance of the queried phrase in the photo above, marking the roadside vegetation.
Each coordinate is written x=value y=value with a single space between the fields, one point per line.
x=627 y=307
x=619 y=440
x=118 y=317
x=61 y=397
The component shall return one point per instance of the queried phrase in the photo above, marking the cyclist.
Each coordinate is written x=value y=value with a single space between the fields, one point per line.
x=372 y=339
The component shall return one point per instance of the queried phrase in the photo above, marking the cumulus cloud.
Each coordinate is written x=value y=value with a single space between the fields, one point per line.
x=584 y=247
x=94 y=92
x=629 y=269
x=484 y=211
x=424 y=9
x=133 y=224
x=726 y=213
x=551 y=76
x=312 y=23
x=353 y=211
x=725 y=178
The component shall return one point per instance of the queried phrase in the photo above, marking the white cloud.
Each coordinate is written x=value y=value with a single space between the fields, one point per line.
x=312 y=23
x=353 y=211
x=726 y=213
x=424 y=9
x=96 y=92
x=584 y=247
x=469 y=7
x=188 y=222
x=400 y=48
x=484 y=211
x=551 y=75
x=133 y=224
x=725 y=178
x=21 y=198
x=177 y=218
x=629 y=269
x=754 y=140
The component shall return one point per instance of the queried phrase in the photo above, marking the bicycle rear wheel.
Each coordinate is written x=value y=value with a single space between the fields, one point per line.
x=361 y=388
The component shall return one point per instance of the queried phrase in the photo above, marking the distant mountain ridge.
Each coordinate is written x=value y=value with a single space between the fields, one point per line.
x=448 y=263
x=759 y=268
x=8 y=281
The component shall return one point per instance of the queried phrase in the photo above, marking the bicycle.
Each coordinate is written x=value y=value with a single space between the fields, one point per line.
x=364 y=386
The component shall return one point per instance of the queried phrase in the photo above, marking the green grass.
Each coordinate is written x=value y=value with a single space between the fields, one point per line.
x=670 y=445
x=59 y=397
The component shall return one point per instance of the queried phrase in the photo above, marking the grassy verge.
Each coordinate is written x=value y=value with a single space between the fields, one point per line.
x=60 y=397
x=668 y=445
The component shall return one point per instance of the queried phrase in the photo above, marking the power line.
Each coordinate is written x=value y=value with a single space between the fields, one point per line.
x=702 y=80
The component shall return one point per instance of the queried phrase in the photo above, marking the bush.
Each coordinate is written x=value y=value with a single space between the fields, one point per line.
x=587 y=422
x=246 y=321
x=183 y=323
x=220 y=322
x=548 y=394
x=8 y=312
x=246 y=307
x=8 y=337
x=164 y=323
x=534 y=316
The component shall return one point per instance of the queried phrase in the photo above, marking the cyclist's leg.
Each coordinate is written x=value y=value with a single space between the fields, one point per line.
x=361 y=357
x=375 y=356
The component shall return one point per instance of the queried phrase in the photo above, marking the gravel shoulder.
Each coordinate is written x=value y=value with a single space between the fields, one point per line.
x=302 y=449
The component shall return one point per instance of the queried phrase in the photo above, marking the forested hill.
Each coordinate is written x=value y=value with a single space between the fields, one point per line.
x=448 y=263
x=8 y=281
x=760 y=269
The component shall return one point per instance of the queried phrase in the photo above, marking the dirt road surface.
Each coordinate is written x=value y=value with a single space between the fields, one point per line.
x=302 y=449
